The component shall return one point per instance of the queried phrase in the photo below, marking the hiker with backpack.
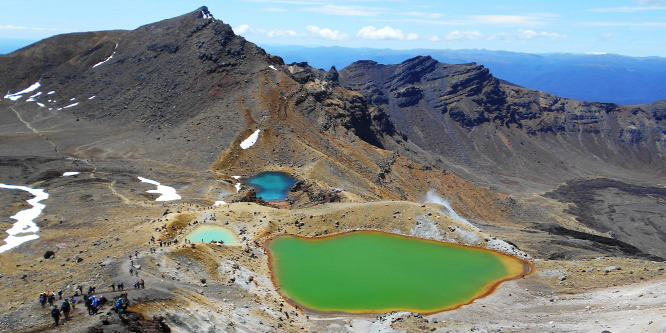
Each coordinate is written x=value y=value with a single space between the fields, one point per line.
x=42 y=299
x=88 y=303
x=55 y=313
x=94 y=304
x=65 y=307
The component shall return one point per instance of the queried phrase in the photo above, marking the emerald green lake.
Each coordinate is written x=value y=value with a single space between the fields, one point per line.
x=374 y=272
x=211 y=232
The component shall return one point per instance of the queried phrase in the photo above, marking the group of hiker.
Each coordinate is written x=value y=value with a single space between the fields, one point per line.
x=65 y=308
x=91 y=301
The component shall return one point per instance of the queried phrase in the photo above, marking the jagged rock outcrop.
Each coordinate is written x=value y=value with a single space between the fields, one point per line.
x=464 y=115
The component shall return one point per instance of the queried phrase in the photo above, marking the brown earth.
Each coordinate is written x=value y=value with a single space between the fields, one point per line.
x=358 y=172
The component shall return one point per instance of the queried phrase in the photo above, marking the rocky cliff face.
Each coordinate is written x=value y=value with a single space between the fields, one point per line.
x=469 y=119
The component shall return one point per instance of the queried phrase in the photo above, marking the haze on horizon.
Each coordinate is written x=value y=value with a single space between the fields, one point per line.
x=625 y=27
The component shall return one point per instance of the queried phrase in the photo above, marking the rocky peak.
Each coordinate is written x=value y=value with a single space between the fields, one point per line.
x=204 y=13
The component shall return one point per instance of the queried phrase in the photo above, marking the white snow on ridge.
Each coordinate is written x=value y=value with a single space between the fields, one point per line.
x=250 y=141
x=70 y=173
x=41 y=105
x=71 y=105
x=219 y=203
x=51 y=92
x=32 y=97
x=272 y=67
x=16 y=96
x=206 y=16
x=91 y=97
x=107 y=59
x=24 y=219
x=168 y=193
x=237 y=185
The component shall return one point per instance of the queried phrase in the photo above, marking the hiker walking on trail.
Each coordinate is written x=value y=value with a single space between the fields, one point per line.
x=50 y=297
x=65 y=308
x=113 y=286
x=131 y=271
x=42 y=299
x=60 y=294
x=142 y=284
x=88 y=302
x=55 y=313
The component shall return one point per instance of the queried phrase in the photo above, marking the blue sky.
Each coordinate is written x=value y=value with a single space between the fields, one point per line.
x=627 y=27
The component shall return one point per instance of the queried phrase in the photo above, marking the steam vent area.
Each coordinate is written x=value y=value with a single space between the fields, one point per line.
x=182 y=179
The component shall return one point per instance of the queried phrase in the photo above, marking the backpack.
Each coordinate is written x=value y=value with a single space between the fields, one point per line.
x=55 y=312
x=94 y=302
x=65 y=306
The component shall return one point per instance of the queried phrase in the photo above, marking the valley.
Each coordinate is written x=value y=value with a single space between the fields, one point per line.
x=174 y=117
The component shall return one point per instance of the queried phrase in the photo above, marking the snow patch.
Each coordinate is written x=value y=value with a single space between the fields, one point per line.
x=18 y=95
x=24 y=219
x=168 y=193
x=206 y=16
x=272 y=67
x=71 y=99
x=219 y=203
x=238 y=187
x=51 y=92
x=107 y=59
x=71 y=105
x=32 y=97
x=41 y=104
x=70 y=173
x=91 y=97
x=250 y=141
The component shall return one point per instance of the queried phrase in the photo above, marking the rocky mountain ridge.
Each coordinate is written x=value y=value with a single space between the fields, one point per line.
x=173 y=101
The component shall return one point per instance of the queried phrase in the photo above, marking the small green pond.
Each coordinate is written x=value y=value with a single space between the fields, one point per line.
x=211 y=232
x=374 y=272
x=272 y=185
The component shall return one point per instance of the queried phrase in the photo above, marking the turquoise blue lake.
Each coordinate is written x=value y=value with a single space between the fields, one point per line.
x=272 y=185
x=211 y=232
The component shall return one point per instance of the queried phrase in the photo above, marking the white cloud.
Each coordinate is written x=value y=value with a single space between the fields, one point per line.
x=384 y=33
x=343 y=10
x=519 y=34
x=464 y=35
x=282 y=33
x=623 y=24
x=18 y=27
x=508 y=19
x=243 y=28
x=434 y=38
x=606 y=36
x=424 y=15
x=412 y=36
x=531 y=34
x=326 y=33
x=627 y=9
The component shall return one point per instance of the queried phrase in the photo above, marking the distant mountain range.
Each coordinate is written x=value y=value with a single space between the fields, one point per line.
x=593 y=78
